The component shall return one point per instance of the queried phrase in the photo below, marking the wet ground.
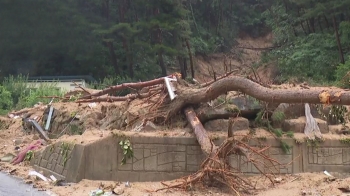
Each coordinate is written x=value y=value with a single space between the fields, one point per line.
x=11 y=186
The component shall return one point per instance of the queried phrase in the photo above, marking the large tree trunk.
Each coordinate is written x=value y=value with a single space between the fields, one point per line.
x=188 y=95
x=122 y=10
x=208 y=147
x=338 y=40
x=113 y=57
x=182 y=61
x=190 y=56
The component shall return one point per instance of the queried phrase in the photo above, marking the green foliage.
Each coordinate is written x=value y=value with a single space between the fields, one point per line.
x=262 y=120
x=29 y=155
x=285 y=147
x=17 y=86
x=75 y=130
x=337 y=113
x=128 y=153
x=34 y=95
x=141 y=40
x=16 y=93
x=309 y=58
x=342 y=74
x=90 y=37
x=278 y=132
x=313 y=143
x=65 y=148
x=5 y=100
x=278 y=116
x=305 y=34
x=290 y=134
x=231 y=108
x=345 y=141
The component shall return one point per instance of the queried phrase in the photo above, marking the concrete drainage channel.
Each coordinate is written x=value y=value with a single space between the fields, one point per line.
x=167 y=158
x=13 y=186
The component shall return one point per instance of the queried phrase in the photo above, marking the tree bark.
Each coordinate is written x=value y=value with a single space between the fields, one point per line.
x=135 y=86
x=161 y=63
x=113 y=57
x=327 y=23
x=312 y=24
x=182 y=66
x=206 y=114
x=190 y=56
x=207 y=146
x=341 y=55
x=122 y=10
x=319 y=24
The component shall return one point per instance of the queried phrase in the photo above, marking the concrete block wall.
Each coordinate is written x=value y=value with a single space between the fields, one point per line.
x=167 y=158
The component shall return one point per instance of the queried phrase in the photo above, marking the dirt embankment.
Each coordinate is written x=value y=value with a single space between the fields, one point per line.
x=243 y=57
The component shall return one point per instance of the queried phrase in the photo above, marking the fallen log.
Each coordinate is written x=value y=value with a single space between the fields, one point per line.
x=202 y=137
x=316 y=95
x=207 y=113
x=128 y=97
x=136 y=86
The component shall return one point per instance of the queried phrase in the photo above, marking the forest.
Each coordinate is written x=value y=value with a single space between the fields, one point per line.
x=138 y=40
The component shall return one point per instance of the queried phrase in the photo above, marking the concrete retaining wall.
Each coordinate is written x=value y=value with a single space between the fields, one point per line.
x=166 y=158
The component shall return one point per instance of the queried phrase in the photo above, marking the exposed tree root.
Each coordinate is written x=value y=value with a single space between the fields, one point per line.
x=216 y=166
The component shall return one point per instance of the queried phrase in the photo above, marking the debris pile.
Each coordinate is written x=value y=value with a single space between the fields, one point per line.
x=152 y=104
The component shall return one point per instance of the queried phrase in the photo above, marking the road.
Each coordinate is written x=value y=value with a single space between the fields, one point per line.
x=10 y=186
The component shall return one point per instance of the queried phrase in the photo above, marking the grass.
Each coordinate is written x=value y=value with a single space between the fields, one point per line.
x=16 y=93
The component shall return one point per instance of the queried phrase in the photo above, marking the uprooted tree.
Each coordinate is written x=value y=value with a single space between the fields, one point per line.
x=216 y=167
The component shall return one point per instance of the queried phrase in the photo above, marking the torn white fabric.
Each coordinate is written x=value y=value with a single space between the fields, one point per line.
x=311 y=127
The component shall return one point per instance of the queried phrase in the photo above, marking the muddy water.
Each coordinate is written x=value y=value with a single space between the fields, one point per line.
x=10 y=186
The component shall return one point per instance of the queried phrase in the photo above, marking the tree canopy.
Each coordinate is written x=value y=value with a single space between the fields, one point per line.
x=142 y=39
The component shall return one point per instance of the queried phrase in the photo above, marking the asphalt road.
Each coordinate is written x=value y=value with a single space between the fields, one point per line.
x=10 y=186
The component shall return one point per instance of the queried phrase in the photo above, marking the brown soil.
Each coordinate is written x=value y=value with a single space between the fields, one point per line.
x=290 y=185
x=242 y=57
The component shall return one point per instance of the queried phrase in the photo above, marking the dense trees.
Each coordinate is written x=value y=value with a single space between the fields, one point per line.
x=313 y=37
x=141 y=39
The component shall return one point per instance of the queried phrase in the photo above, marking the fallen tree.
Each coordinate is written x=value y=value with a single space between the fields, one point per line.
x=216 y=166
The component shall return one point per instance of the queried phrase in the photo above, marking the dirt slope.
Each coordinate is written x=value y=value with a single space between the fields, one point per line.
x=241 y=57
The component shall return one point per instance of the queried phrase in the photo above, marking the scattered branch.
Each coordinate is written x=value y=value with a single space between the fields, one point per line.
x=219 y=78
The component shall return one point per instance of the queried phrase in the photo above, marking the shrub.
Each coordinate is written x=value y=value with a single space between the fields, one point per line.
x=5 y=100
x=23 y=95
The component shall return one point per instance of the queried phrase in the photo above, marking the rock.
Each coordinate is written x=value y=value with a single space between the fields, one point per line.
x=339 y=129
x=216 y=125
x=150 y=126
x=7 y=158
x=292 y=111
x=240 y=123
x=298 y=125
x=18 y=142
x=246 y=105
x=278 y=180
